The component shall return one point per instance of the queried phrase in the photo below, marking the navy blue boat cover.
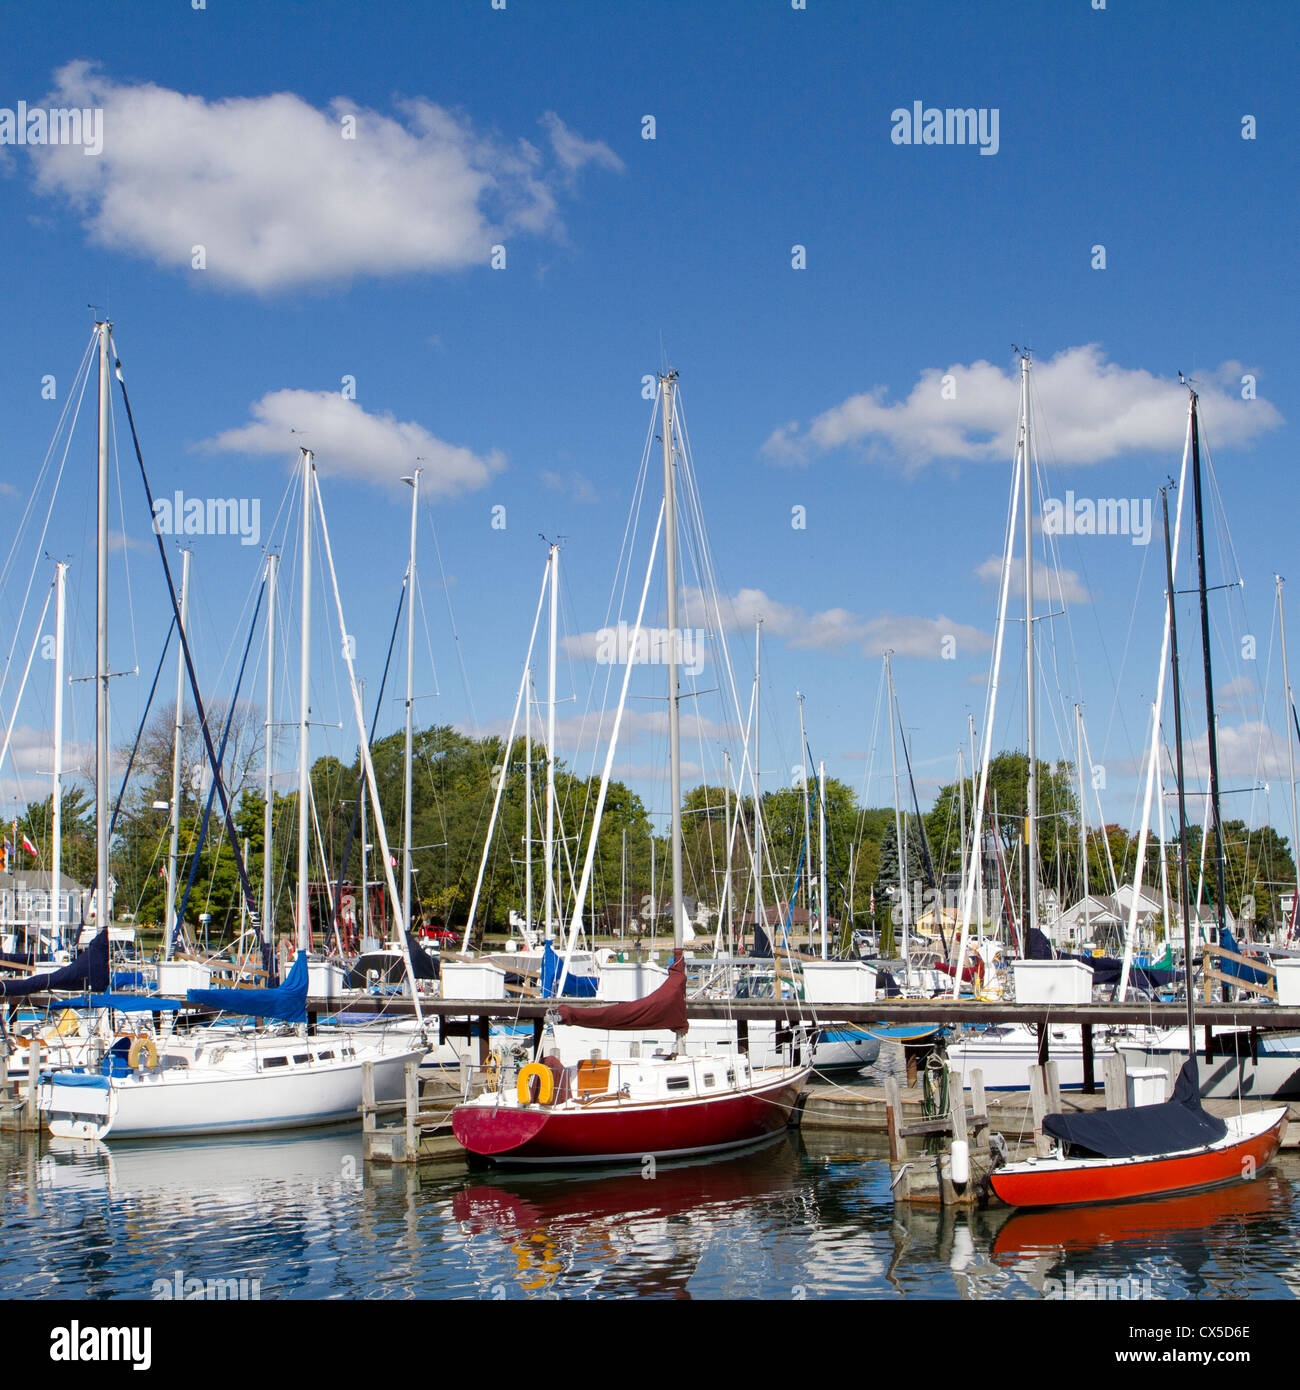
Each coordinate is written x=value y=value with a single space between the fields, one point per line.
x=422 y=963
x=89 y=970
x=1106 y=970
x=1180 y=1123
x=287 y=1002
x=575 y=986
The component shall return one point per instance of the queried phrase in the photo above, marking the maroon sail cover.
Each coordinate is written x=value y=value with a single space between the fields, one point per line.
x=665 y=1007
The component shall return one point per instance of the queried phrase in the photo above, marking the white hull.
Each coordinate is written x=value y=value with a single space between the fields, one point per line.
x=213 y=1100
x=1227 y=1076
x=1006 y=1054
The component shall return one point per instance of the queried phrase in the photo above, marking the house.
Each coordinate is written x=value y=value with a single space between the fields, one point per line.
x=1101 y=920
x=32 y=918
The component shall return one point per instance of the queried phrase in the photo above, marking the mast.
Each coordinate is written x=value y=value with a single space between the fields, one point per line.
x=549 y=916
x=56 y=803
x=668 y=385
x=1083 y=824
x=760 y=921
x=1290 y=748
x=1212 y=733
x=414 y=481
x=821 y=853
x=898 y=822
x=1184 y=885
x=303 y=922
x=101 y=644
x=173 y=846
x=807 y=814
x=268 y=874
x=528 y=808
x=1031 y=784
x=726 y=873
x=365 y=853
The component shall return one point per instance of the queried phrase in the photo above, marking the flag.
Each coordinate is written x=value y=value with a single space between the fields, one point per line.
x=28 y=846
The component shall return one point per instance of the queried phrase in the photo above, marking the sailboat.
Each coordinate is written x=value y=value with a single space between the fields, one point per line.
x=221 y=1080
x=668 y=1104
x=1176 y=1146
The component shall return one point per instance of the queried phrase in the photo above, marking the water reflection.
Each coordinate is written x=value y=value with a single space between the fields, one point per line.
x=808 y=1217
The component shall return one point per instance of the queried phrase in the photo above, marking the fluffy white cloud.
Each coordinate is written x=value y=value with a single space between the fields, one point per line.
x=1061 y=584
x=280 y=193
x=349 y=442
x=1090 y=410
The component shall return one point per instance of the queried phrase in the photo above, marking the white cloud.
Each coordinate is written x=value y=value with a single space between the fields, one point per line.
x=351 y=443
x=278 y=197
x=1087 y=410
x=1061 y=584
x=576 y=485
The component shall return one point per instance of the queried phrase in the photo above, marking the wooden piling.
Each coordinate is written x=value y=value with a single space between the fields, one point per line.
x=898 y=1166
x=1052 y=1085
x=1116 y=1082
x=979 y=1105
x=413 y=1106
x=32 y=1117
x=367 y=1097
x=1038 y=1102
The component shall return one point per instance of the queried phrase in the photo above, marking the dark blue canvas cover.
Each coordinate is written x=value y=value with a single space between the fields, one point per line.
x=1180 y=1123
x=287 y=1002
x=89 y=970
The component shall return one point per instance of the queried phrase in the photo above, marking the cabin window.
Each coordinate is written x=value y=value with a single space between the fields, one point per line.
x=634 y=1051
x=324 y=1056
x=731 y=1076
x=679 y=1083
x=302 y=1057
x=275 y=1062
x=708 y=1078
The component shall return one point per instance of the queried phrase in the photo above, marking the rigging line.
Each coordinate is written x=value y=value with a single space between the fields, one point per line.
x=27 y=670
x=126 y=540
x=135 y=747
x=217 y=783
x=361 y=777
x=185 y=646
x=45 y=527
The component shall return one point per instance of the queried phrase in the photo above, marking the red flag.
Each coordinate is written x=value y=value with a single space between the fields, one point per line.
x=29 y=847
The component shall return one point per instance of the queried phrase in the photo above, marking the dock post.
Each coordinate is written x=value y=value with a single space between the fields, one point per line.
x=484 y=1029
x=1044 y=1046
x=1038 y=1101
x=31 y=1119
x=897 y=1144
x=412 y=1109
x=1116 y=1082
x=957 y=1098
x=1052 y=1084
x=978 y=1104
x=1089 y=1063
x=368 y=1097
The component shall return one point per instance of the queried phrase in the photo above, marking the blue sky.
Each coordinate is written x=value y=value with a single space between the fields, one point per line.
x=815 y=388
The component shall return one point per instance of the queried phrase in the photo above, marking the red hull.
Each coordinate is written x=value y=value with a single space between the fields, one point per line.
x=595 y=1133
x=1103 y=1180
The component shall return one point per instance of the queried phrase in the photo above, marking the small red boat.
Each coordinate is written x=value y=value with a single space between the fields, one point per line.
x=1149 y=1151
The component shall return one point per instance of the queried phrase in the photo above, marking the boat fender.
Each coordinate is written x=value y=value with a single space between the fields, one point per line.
x=960 y=1163
x=535 y=1072
x=143 y=1047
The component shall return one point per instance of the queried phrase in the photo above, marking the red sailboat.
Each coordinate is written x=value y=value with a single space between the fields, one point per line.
x=1178 y=1146
x=668 y=1105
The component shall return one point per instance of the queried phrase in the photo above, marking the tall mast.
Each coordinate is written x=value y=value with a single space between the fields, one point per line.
x=101 y=644
x=56 y=804
x=365 y=852
x=1290 y=748
x=304 y=694
x=1031 y=785
x=1184 y=886
x=414 y=481
x=668 y=386
x=821 y=853
x=726 y=873
x=898 y=821
x=1083 y=820
x=760 y=922
x=268 y=867
x=169 y=945
x=549 y=895
x=1212 y=733
x=528 y=807
x=807 y=813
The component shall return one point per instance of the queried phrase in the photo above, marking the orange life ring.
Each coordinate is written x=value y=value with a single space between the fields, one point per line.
x=546 y=1084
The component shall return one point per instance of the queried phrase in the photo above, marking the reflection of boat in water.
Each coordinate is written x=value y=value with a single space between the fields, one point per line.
x=1050 y=1229
x=660 y=1221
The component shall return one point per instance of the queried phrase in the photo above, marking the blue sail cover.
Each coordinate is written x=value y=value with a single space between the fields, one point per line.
x=89 y=970
x=1147 y=1130
x=422 y=963
x=1247 y=974
x=287 y=1002
x=575 y=987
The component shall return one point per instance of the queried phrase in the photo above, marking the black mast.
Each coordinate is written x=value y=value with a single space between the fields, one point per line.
x=1184 y=883
x=1212 y=733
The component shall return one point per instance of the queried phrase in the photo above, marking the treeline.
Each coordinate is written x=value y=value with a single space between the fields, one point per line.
x=455 y=778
